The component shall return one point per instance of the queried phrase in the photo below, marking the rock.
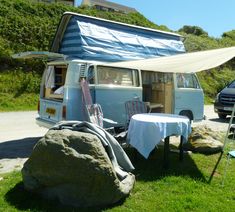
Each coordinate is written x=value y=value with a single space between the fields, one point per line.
x=204 y=140
x=74 y=168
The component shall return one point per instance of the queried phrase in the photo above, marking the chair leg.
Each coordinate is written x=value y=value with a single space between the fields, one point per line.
x=225 y=169
x=181 y=155
x=166 y=152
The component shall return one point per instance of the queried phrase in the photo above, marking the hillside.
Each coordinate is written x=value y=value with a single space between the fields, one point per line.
x=27 y=25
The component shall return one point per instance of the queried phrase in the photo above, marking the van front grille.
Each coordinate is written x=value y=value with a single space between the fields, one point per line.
x=227 y=99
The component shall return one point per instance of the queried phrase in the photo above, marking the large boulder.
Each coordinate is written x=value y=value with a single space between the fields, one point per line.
x=74 y=168
x=204 y=140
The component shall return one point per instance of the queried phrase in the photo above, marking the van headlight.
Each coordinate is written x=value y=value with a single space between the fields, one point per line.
x=217 y=97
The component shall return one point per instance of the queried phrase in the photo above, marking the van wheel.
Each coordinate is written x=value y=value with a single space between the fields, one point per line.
x=222 y=116
x=187 y=113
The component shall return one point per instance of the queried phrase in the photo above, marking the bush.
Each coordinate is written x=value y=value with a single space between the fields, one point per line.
x=194 y=30
x=213 y=81
x=18 y=82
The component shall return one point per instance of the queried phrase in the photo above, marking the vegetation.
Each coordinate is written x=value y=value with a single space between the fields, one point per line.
x=194 y=30
x=28 y=25
x=191 y=185
x=19 y=90
x=214 y=81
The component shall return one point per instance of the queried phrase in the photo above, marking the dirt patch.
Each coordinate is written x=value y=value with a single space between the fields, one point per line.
x=9 y=165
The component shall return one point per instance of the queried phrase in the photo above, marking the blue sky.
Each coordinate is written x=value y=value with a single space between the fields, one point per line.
x=214 y=16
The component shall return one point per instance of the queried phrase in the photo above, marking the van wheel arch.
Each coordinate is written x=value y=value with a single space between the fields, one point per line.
x=187 y=113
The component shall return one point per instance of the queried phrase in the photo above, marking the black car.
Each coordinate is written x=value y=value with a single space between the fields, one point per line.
x=225 y=100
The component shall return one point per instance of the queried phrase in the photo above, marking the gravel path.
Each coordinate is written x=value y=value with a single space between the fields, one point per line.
x=212 y=120
x=19 y=133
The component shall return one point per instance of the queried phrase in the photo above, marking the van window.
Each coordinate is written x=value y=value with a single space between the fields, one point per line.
x=148 y=77
x=91 y=75
x=54 y=81
x=117 y=76
x=231 y=85
x=187 y=81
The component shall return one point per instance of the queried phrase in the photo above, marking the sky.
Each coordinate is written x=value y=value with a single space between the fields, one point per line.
x=213 y=16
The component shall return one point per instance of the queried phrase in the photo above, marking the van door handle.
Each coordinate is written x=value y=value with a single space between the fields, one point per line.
x=136 y=97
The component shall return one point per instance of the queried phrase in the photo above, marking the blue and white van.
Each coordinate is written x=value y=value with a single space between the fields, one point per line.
x=88 y=47
x=111 y=87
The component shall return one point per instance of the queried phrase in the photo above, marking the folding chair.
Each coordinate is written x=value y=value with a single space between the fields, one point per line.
x=231 y=153
x=96 y=116
x=86 y=94
x=134 y=107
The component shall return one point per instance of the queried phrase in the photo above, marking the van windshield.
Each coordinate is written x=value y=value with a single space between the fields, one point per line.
x=232 y=84
x=117 y=76
x=185 y=80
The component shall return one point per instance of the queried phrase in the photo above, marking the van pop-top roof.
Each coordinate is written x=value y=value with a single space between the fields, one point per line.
x=90 y=38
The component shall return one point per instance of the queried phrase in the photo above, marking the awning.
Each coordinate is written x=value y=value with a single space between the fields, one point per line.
x=182 y=63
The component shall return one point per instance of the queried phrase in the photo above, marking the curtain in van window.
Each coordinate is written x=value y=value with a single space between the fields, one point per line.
x=148 y=77
x=50 y=77
x=117 y=76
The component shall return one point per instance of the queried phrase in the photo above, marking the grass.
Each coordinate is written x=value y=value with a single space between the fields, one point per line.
x=19 y=90
x=191 y=185
x=22 y=102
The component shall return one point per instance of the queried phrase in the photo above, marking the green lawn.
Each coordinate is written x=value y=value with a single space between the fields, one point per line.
x=191 y=185
x=22 y=102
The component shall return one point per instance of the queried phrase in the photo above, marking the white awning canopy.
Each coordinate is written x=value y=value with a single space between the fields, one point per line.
x=182 y=63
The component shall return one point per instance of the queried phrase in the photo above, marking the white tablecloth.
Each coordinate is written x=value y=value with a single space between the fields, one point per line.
x=147 y=130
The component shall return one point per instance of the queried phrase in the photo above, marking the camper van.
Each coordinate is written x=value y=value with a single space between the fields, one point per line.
x=88 y=48
x=61 y=93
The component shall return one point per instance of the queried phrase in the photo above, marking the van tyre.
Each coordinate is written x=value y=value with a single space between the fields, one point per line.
x=222 y=116
x=187 y=113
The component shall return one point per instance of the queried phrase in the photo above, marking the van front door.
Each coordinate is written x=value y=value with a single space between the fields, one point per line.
x=188 y=96
x=113 y=87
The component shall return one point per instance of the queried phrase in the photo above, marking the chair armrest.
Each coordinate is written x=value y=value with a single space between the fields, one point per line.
x=109 y=121
x=154 y=106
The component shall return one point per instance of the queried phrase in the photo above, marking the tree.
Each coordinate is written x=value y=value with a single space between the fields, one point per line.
x=229 y=34
x=194 y=30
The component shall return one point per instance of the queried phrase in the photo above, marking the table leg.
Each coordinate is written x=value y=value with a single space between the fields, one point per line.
x=181 y=156
x=166 y=152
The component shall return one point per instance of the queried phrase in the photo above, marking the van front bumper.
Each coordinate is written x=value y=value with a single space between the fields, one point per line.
x=44 y=123
x=223 y=109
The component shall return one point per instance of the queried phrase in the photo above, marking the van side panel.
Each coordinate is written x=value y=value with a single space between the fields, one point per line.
x=188 y=96
x=74 y=104
x=190 y=100
x=72 y=93
x=112 y=100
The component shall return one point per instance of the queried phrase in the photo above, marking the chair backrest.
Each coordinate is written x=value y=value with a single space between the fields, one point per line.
x=95 y=114
x=134 y=107
x=86 y=94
